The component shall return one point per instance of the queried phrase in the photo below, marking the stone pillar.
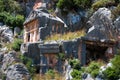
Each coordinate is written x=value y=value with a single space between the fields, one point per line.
x=34 y=36
x=31 y=37
x=25 y=36
x=83 y=53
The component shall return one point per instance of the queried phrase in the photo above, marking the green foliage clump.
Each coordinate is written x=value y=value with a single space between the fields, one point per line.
x=110 y=74
x=102 y=3
x=16 y=44
x=10 y=6
x=76 y=74
x=93 y=69
x=113 y=72
x=61 y=56
x=116 y=11
x=51 y=73
x=11 y=13
x=2 y=6
x=75 y=64
x=3 y=77
x=29 y=64
x=66 y=5
x=10 y=20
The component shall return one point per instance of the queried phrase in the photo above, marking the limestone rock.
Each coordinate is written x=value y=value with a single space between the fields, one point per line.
x=100 y=26
x=17 y=72
x=1 y=56
x=12 y=67
x=99 y=18
x=1 y=23
x=117 y=25
x=17 y=30
x=6 y=34
x=8 y=60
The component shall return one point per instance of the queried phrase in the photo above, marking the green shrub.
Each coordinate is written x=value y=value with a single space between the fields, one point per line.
x=29 y=64
x=50 y=73
x=113 y=73
x=19 y=21
x=10 y=20
x=93 y=69
x=110 y=74
x=102 y=3
x=76 y=74
x=75 y=64
x=16 y=44
x=116 y=11
x=67 y=5
x=2 y=6
x=3 y=77
x=61 y=56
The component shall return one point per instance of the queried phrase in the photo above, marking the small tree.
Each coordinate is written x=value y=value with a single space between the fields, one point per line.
x=16 y=44
x=93 y=69
x=113 y=73
x=76 y=74
x=75 y=64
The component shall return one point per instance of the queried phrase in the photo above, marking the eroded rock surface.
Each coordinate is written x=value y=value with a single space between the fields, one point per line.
x=6 y=34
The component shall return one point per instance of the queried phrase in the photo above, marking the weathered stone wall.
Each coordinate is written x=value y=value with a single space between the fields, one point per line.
x=49 y=27
x=34 y=53
x=70 y=48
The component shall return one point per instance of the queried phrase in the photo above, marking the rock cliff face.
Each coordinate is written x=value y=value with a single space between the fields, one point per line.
x=12 y=68
x=100 y=25
x=6 y=34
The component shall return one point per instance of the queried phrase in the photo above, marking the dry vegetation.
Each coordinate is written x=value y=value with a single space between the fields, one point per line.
x=67 y=36
x=47 y=77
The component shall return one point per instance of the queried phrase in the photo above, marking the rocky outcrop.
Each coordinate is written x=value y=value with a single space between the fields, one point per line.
x=117 y=25
x=101 y=17
x=12 y=67
x=17 y=31
x=100 y=25
x=8 y=60
x=6 y=34
x=17 y=72
x=75 y=20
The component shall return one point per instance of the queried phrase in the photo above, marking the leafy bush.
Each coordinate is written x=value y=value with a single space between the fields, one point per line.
x=1 y=6
x=66 y=5
x=110 y=74
x=16 y=44
x=93 y=69
x=10 y=6
x=3 y=77
x=113 y=73
x=61 y=56
x=102 y=3
x=75 y=64
x=50 y=73
x=19 y=20
x=10 y=20
x=116 y=11
x=29 y=64
x=76 y=74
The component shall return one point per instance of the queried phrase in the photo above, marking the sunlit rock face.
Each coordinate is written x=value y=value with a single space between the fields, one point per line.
x=117 y=25
x=12 y=67
x=99 y=18
x=100 y=25
x=6 y=34
x=17 y=72
x=76 y=20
